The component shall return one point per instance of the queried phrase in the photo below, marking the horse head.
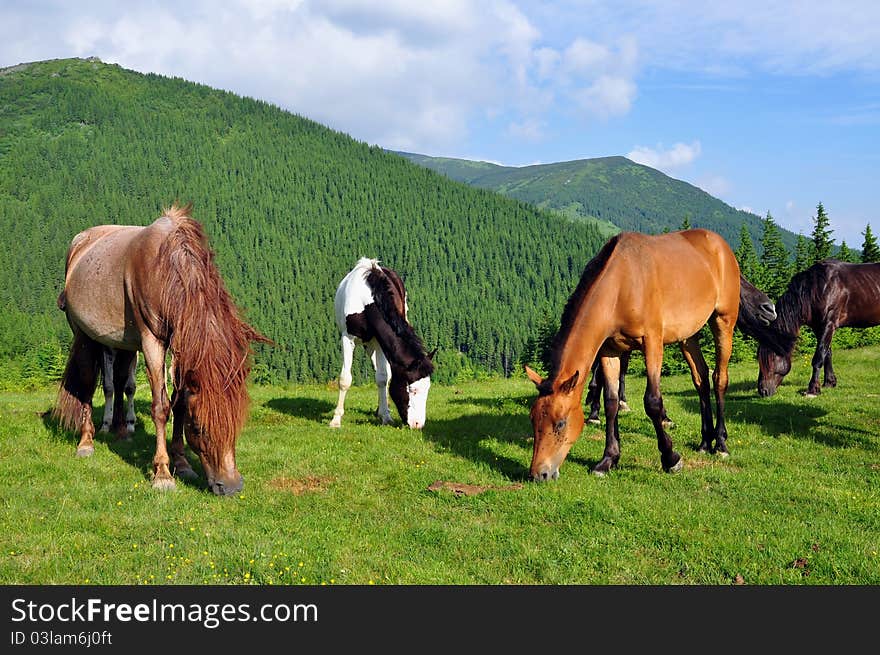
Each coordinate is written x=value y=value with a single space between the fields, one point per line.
x=213 y=441
x=409 y=388
x=557 y=418
x=772 y=367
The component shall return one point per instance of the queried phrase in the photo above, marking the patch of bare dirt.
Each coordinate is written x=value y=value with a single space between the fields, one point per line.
x=462 y=489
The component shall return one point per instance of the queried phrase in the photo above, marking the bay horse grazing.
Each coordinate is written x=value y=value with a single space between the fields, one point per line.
x=830 y=294
x=117 y=381
x=153 y=289
x=371 y=309
x=639 y=292
x=756 y=312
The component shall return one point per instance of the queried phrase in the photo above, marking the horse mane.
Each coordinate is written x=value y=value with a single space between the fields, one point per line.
x=591 y=272
x=794 y=308
x=804 y=291
x=389 y=297
x=209 y=341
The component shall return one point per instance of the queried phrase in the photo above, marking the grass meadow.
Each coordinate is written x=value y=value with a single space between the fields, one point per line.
x=796 y=503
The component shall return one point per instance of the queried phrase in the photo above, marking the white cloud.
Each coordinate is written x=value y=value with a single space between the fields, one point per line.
x=679 y=155
x=607 y=96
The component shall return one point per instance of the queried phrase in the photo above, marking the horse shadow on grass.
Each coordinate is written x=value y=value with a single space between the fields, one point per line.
x=137 y=450
x=779 y=417
x=312 y=409
x=463 y=435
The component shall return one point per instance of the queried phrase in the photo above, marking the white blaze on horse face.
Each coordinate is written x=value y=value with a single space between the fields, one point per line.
x=418 y=402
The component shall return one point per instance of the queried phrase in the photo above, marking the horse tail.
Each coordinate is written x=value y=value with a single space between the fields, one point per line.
x=78 y=382
x=209 y=342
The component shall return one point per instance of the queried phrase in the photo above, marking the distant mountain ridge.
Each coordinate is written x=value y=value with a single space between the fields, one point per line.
x=613 y=191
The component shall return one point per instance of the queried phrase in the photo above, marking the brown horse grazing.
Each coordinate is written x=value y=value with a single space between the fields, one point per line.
x=153 y=289
x=830 y=294
x=756 y=313
x=639 y=292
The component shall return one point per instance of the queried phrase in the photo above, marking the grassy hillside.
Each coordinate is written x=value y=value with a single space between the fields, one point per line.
x=288 y=204
x=613 y=190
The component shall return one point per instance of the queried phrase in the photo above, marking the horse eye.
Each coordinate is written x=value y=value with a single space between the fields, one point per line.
x=560 y=425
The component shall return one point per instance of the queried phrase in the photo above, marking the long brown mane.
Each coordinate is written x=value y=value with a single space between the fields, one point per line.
x=590 y=273
x=210 y=343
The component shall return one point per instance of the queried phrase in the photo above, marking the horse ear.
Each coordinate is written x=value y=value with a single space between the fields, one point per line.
x=569 y=384
x=432 y=353
x=533 y=376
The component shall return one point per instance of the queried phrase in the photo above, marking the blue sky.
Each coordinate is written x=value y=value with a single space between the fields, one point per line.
x=768 y=106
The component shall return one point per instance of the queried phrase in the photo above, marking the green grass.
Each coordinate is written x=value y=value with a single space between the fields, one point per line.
x=797 y=502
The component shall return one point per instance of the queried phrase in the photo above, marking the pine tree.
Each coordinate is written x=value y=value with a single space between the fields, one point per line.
x=749 y=265
x=845 y=254
x=686 y=223
x=774 y=258
x=822 y=243
x=803 y=254
x=870 y=249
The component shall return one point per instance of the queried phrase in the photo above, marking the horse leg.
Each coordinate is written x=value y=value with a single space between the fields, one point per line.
x=823 y=352
x=670 y=459
x=121 y=366
x=129 y=394
x=610 y=368
x=383 y=375
x=182 y=467
x=344 y=379
x=107 y=384
x=594 y=389
x=160 y=409
x=693 y=355
x=624 y=368
x=830 y=379
x=722 y=331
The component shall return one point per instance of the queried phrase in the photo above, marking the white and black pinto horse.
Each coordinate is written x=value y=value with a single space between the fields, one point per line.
x=371 y=309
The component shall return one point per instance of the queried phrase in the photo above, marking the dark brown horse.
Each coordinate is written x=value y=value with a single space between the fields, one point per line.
x=153 y=289
x=639 y=292
x=756 y=312
x=830 y=294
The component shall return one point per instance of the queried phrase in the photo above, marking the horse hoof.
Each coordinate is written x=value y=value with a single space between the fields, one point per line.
x=722 y=453
x=808 y=394
x=675 y=468
x=598 y=474
x=104 y=428
x=129 y=427
x=336 y=423
x=667 y=424
x=85 y=451
x=164 y=484
x=623 y=407
x=387 y=420
x=594 y=421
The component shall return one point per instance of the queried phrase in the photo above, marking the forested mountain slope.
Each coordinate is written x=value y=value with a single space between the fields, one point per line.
x=609 y=189
x=289 y=206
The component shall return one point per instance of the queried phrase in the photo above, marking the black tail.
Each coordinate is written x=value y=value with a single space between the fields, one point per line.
x=78 y=382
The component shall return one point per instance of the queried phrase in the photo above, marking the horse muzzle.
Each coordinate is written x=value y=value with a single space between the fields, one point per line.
x=545 y=473
x=765 y=390
x=226 y=487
